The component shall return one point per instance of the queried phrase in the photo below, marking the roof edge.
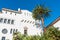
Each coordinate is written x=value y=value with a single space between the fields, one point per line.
x=52 y=23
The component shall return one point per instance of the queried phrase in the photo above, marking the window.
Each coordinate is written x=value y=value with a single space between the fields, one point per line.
x=15 y=13
x=10 y=31
x=13 y=30
x=5 y=20
x=1 y=19
x=9 y=21
x=12 y=22
x=22 y=20
x=25 y=32
x=3 y=38
x=4 y=31
x=27 y=21
x=30 y=21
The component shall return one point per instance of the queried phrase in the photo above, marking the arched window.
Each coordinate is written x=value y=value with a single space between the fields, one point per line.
x=8 y=21
x=5 y=20
x=12 y=21
x=11 y=31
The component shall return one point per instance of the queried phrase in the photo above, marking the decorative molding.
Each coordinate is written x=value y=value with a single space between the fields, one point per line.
x=9 y=10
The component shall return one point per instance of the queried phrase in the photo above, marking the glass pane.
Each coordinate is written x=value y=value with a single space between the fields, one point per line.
x=14 y=31
x=5 y=20
x=4 y=31
x=3 y=38
x=1 y=19
x=25 y=32
x=12 y=22
x=11 y=31
x=8 y=21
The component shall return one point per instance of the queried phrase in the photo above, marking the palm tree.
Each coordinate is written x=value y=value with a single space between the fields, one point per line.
x=40 y=12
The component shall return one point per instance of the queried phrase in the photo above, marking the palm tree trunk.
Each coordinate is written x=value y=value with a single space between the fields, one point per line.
x=42 y=20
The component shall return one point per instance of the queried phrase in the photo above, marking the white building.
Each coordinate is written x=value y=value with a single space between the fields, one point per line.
x=17 y=21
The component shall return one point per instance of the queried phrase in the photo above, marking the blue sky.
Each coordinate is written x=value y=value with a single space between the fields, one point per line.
x=54 y=5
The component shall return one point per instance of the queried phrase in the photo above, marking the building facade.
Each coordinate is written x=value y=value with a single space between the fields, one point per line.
x=17 y=21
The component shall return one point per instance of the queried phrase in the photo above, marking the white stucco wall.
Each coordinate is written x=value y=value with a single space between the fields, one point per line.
x=57 y=25
x=25 y=15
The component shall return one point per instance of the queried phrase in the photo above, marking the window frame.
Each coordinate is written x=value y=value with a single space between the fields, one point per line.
x=1 y=20
x=12 y=21
x=5 y=20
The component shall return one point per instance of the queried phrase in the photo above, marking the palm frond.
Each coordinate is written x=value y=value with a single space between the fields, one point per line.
x=40 y=11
